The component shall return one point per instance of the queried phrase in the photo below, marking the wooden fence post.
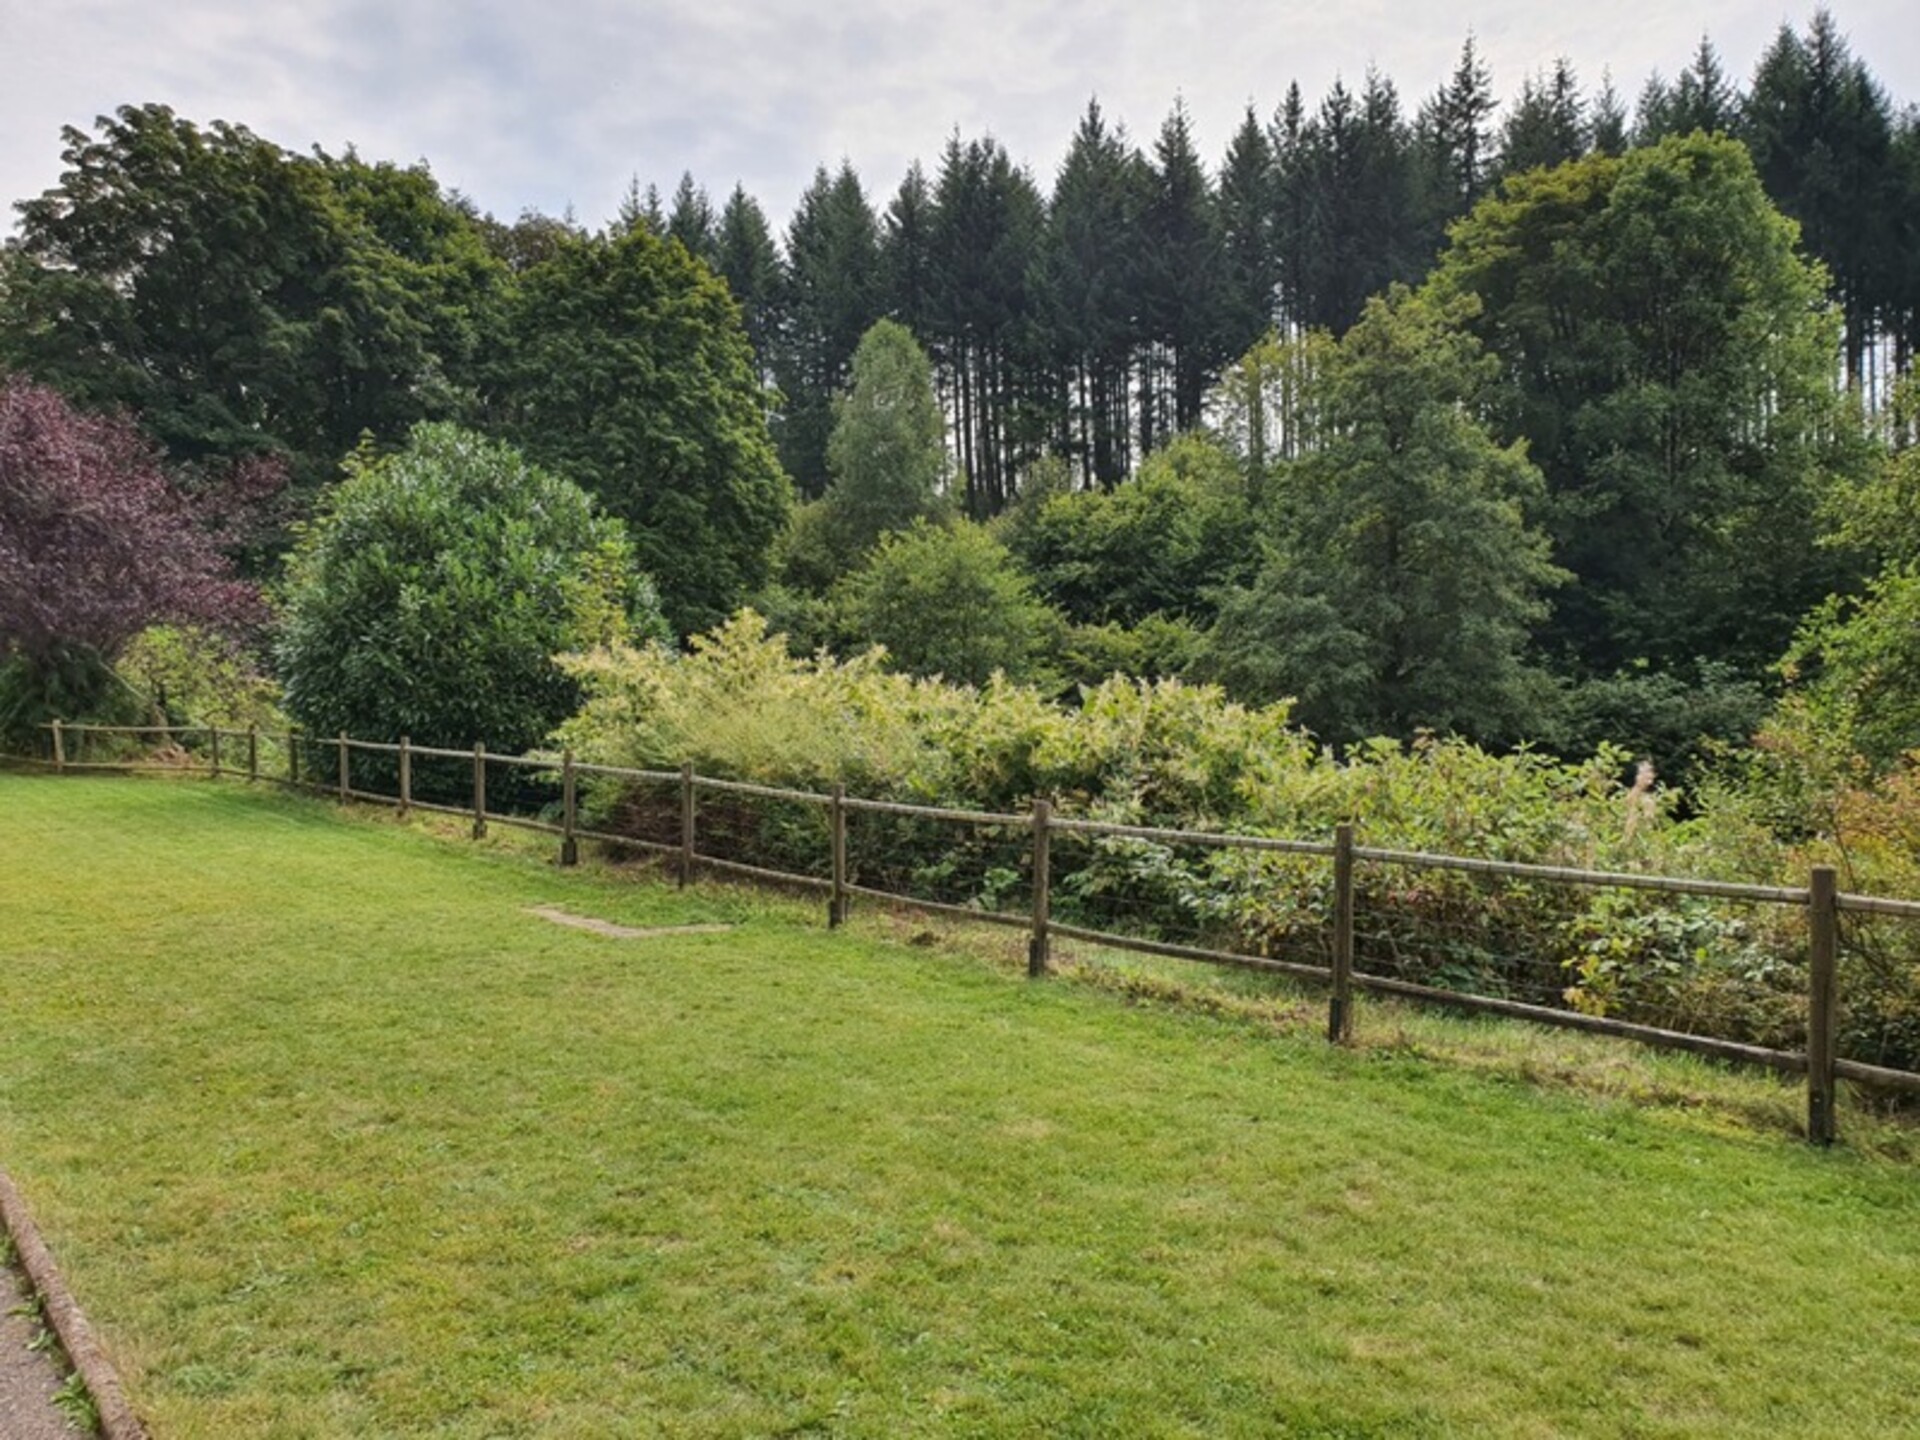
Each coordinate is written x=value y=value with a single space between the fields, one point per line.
x=346 y=775
x=253 y=752
x=686 y=824
x=214 y=731
x=1340 y=1005
x=59 y=750
x=569 y=811
x=1042 y=888
x=479 y=790
x=1823 y=948
x=293 y=758
x=406 y=775
x=837 y=905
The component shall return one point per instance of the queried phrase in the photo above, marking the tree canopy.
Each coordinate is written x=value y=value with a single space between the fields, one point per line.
x=947 y=600
x=887 y=454
x=96 y=543
x=627 y=371
x=1667 y=357
x=1402 y=578
x=242 y=300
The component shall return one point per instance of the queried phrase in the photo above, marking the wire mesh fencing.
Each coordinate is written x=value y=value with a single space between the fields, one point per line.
x=1714 y=962
x=1878 y=984
x=1243 y=901
x=760 y=831
x=960 y=862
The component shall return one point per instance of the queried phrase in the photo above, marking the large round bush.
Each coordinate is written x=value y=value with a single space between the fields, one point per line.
x=432 y=593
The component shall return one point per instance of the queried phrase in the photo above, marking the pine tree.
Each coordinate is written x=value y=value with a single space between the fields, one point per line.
x=1547 y=125
x=906 y=252
x=745 y=257
x=1607 y=122
x=1179 y=284
x=1349 y=183
x=1821 y=132
x=1249 y=272
x=1085 y=290
x=1293 y=220
x=987 y=225
x=691 y=221
x=1460 y=120
x=640 y=208
x=830 y=296
x=1703 y=97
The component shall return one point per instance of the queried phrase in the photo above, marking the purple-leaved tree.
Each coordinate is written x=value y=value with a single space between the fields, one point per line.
x=96 y=544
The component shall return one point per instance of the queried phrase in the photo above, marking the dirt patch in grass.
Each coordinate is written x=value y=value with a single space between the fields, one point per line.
x=621 y=932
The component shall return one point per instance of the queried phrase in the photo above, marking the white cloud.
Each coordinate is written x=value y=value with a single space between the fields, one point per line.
x=522 y=105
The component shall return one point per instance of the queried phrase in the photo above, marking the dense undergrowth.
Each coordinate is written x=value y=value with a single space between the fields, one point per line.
x=1181 y=756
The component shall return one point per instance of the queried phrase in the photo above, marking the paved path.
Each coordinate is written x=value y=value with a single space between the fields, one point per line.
x=28 y=1378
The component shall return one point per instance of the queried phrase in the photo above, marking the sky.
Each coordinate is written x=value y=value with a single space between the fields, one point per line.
x=520 y=104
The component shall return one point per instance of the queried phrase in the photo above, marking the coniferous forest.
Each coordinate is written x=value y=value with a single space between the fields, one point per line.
x=1552 y=416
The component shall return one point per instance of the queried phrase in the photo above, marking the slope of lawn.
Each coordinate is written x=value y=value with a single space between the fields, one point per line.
x=333 y=1138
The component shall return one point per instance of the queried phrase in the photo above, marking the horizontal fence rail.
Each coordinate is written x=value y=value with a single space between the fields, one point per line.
x=1510 y=939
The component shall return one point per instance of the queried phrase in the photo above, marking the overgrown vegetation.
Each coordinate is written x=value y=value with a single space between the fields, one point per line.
x=1176 y=755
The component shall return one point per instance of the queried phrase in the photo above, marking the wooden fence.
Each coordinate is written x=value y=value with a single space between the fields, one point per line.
x=325 y=765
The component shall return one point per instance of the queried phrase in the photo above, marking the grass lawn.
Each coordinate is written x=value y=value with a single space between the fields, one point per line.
x=334 y=1138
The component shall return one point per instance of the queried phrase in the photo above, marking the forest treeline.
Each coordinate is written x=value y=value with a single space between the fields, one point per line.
x=1545 y=422
x=1087 y=318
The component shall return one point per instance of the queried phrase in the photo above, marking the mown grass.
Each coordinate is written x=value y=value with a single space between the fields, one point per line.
x=334 y=1139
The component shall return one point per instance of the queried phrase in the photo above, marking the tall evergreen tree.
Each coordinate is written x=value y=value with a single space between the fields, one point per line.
x=1084 y=284
x=1348 y=196
x=1179 y=282
x=1460 y=120
x=831 y=295
x=1903 y=252
x=1293 y=212
x=640 y=209
x=988 y=222
x=1703 y=97
x=691 y=220
x=1249 y=270
x=745 y=257
x=1607 y=122
x=1547 y=125
x=1821 y=132
x=906 y=252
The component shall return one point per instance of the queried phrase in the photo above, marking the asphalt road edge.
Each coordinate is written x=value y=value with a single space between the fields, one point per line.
x=65 y=1319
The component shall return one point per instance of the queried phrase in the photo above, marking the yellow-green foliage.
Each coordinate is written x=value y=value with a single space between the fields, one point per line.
x=739 y=706
x=195 y=676
x=1181 y=756
x=1163 y=752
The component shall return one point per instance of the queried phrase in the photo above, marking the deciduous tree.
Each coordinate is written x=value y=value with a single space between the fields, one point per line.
x=628 y=373
x=96 y=544
x=1402 y=579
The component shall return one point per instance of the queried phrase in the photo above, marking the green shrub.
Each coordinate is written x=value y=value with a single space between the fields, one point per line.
x=432 y=593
